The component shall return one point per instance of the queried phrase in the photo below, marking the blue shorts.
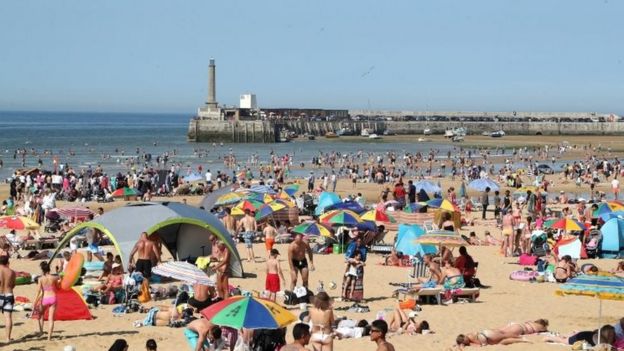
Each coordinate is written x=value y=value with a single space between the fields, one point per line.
x=429 y=284
x=93 y=248
x=248 y=239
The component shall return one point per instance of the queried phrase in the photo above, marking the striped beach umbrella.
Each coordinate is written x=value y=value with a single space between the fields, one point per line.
x=126 y=192
x=375 y=215
x=442 y=204
x=18 y=223
x=260 y=197
x=267 y=210
x=243 y=205
x=312 y=228
x=568 y=224
x=342 y=217
x=291 y=189
x=73 y=212
x=248 y=312
x=228 y=199
x=183 y=271
x=441 y=238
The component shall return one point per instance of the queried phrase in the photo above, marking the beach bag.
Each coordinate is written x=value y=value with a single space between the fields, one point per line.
x=527 y=260
x=144 y=295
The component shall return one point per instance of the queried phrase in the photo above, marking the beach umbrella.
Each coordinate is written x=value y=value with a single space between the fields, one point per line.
x=616 y=205
x=268 y=209
x=18 y=222
x=442 y=238
x=228 y=199
x=377 y=216
x=406 y=241
x=607 y=216
x=483 y=183
x=568 y=224
x=183 y=271
x=260 y=197
x=243 y=205
x=193 y=177
x=427 y=186
x=422 y=196
x=326 y=199
x=312 y=228
x=73 y=212
x=346 y=205
x=462 y=190
x=125 y=192
x=342 y=217
x=291 y=189
x=442 y=204
x=248 y=312
x=602 y=287
x=603 y=208
x=414 y=207
x=263 y=189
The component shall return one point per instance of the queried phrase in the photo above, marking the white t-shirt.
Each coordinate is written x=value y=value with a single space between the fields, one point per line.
x=208 y=177
x=615 y=184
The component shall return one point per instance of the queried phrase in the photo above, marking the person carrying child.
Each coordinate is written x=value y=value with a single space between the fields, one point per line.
x=351 y=273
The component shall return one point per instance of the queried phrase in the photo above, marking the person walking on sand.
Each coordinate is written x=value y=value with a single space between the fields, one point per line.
x=7 y=284
x=379 y=329
x=146 y=250
x=270 y=233
x=297 y=261
x=248 y=226
x=274 y=273
x=46 y=297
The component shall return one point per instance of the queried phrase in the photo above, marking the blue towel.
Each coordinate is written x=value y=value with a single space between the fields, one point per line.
x=192 y=337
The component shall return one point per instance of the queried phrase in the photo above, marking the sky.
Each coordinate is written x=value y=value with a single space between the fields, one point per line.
x=427 y=55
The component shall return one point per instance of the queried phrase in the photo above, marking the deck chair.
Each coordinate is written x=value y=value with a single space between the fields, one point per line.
x=15 y=244
x=429 y=226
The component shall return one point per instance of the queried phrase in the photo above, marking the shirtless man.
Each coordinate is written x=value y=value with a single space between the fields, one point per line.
x=7 y=283
x=146 y=250
x=229 y=222
x=379 y=329
x=201 y=297
x=301 y=335
x=297 y=261
x=436 y=277
x=223 y=270
x=206 y=333
x=248 y=226
x=269 y=237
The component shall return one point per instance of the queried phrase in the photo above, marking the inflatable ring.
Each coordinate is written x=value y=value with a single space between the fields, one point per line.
x=22 y=278
x=72 y=271
x=523 y=275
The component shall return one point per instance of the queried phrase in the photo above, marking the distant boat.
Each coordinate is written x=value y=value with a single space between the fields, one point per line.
x=331 y=135
x=365 y=133
x=284 y=140
x=388 y=132
x=374 y=136
x=427 y=131
x=457 y=138
x=498 y=134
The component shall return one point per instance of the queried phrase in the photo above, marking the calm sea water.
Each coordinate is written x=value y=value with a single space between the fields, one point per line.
x=92 y=136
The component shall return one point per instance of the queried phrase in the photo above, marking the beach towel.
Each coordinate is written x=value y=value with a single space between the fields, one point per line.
x=358 y=291
x=151 y=316
x=192 y=337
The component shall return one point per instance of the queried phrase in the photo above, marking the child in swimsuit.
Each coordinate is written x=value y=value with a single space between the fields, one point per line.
x=46 y=297
x=351 y=273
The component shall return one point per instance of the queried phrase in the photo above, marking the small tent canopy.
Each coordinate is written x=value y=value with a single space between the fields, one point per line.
x=326 y=199
x=184 y=230
x=612 y=238
x=406 y=244
x=571 y=246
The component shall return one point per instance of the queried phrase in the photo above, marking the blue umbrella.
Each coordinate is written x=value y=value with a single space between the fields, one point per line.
x=481 y=184
x=406 y=244
x=607 y=216
x=428 y=187
x=262 y=189
x=326 y=199
x=347 y=205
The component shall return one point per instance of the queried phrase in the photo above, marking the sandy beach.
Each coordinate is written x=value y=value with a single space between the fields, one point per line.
x=504 y=302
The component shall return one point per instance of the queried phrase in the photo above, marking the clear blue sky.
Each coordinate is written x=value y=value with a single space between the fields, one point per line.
x=496 y=55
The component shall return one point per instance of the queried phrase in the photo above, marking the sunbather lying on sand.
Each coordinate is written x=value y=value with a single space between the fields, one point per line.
x=399 y=322
x=487 y=337
x=607 y=336
x=526 y=328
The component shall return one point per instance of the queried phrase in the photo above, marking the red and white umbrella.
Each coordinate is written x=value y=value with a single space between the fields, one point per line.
x=74 y=212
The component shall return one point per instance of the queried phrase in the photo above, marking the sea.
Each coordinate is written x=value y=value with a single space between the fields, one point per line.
x=88 y=139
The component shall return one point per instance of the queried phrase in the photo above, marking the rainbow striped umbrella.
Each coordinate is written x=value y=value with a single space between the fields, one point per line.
x=268 y=209
x=228 y=199
x=291 y=189
x=375 y=215
x=260 y=197
x=342 y=217
x=18 y=222
x=248 y=312
x=250 y=205
x=312 y=228
x=568 y=224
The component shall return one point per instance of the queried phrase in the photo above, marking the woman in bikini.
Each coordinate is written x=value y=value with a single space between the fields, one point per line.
x=565 y=269
x=508 y=228
x=400 y=322
x=46 y=297
x=487 y=337
x=321 y=321
x=526 y=328
x=452 y=277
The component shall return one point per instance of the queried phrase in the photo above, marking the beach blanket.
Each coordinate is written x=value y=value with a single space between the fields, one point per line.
x=358 y=291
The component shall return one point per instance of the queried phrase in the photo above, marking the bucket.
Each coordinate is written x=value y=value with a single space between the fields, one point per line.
x=337 y=249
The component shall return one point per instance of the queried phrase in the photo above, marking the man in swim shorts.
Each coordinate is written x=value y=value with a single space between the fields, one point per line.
x=269 y=237
x=145 y=249
x=297 y=261
x=7 y=283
